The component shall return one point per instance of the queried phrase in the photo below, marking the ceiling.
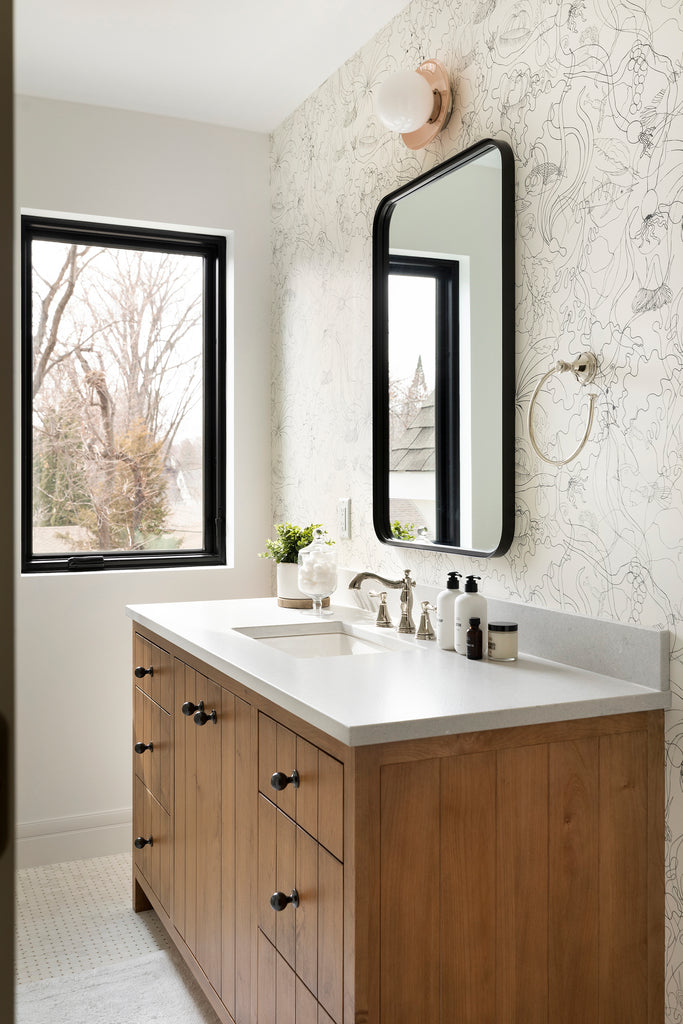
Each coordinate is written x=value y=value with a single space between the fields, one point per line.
x=242 y=64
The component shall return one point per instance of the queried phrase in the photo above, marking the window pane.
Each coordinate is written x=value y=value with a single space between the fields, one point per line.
x=117 y=423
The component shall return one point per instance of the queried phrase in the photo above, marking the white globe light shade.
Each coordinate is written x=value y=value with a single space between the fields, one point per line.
x=405 y=101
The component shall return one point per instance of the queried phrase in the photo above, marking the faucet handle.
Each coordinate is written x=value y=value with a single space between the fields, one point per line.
x=383 y=619
x=425 y=630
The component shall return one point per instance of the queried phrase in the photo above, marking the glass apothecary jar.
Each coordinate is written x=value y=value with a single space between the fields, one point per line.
x=318 y=570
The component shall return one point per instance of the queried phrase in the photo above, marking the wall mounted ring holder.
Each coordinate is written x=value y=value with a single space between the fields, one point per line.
x=584 y=369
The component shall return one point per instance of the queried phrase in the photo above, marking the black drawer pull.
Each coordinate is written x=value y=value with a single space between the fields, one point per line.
x=280 y=781
x=140 y=748
x=189 y=708
x=201 y=717
x=141 y=671
x=141 y=843
x=279 y=900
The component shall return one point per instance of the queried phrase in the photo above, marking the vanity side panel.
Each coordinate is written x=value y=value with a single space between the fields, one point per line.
x=573 y=853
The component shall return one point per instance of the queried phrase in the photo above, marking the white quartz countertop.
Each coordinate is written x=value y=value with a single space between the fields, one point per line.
x=412 y=692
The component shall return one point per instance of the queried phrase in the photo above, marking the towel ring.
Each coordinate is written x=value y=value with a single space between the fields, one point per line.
x=584 y=369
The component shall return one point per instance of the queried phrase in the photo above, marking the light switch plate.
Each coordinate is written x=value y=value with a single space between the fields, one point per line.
x=344 y=518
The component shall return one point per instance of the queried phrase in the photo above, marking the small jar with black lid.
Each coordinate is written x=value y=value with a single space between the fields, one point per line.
x=502 y=644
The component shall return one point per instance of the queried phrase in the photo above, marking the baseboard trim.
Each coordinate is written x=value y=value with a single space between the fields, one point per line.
x=77 y=837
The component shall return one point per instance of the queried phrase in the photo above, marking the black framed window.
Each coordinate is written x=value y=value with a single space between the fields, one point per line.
x=123 y=397
x=422 y=411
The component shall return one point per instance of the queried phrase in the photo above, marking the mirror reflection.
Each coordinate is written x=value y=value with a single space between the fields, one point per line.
x=444 y=356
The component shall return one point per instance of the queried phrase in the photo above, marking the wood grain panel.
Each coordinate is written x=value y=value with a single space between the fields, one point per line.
x=267 y=754
x=573 y=861
x=468 y=889
x=139 y=763
x=266 y=973
x=209 y=834
x=306 y=915
x=180 y=808
x=190 y=782
x=306 y=1006
x=267 y=867
x=143 y=657
x=286 y=762
x=161 y=682
x=330 y=934
x=162 y=754
x=656 y=854
x=228 y=883
x=331 y=804
x=307 y=794
x=522 y=855
x=409 y=893
x=245 y=857
x=623 y=879
x=285 y=999
x=285 y=920
x=323 y=1017
x=161 y=853
x=142 y=826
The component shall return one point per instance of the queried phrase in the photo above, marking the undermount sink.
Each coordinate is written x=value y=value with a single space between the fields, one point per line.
x=321 y=640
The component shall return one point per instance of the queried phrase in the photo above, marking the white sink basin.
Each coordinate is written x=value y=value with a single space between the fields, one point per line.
x=322 y=640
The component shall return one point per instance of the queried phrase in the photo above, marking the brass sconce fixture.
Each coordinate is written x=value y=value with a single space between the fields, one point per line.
x=416 y=103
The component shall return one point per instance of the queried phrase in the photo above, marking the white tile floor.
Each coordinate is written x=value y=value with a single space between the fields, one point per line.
x=75 y=916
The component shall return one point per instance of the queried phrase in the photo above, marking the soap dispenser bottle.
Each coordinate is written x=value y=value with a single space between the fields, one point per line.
x=445 y=614
x=469 y=605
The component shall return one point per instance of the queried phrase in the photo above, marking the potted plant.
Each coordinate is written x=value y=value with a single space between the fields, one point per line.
x=284 y=550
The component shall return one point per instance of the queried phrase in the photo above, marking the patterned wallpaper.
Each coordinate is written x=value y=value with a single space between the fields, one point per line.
x=587 y=95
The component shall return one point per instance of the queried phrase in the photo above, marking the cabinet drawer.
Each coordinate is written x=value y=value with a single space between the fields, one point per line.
x=314 y=797
x=308 y=931
x=152 y=726
x=157 y=680
x=151 y=822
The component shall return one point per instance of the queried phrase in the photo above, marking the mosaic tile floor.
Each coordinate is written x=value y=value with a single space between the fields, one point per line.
x=74 y=916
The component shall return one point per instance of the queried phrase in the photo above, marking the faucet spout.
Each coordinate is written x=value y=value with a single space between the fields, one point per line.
x=405 y=585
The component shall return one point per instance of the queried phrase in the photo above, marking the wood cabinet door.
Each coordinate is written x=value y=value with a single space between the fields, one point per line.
x=517 y=884
x=197 y=911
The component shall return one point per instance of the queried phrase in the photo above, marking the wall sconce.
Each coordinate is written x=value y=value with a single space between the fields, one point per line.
x=416 y=103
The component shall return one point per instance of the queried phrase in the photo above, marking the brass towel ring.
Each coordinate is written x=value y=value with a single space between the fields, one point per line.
x=584 y=369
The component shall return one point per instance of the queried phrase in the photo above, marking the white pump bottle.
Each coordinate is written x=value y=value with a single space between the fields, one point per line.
x=445 y=613
x=469 y=605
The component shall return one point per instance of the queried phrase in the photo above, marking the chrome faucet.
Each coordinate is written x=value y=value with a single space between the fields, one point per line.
x=406 y=625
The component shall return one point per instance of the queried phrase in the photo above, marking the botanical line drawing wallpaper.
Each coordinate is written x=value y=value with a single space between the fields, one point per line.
x=588 y=96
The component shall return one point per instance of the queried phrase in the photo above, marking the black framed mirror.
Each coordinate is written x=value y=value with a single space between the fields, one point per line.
x=444 y=356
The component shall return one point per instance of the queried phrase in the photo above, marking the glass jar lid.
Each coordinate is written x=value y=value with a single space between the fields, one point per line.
x=503 y=627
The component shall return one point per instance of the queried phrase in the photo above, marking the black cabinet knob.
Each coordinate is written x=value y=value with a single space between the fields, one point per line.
x=279 y=900
x=189 y=708
x=141 y=671
x=141 y=843
x=140 y=748
x=201 y=717
x=280 y=781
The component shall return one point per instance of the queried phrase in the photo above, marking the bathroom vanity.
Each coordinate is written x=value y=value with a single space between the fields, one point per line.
x=396 y=835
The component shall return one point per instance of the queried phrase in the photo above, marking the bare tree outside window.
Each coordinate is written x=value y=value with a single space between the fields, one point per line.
x=118 y=394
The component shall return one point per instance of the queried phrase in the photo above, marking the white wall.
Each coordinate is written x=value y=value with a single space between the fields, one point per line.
x=73 y=707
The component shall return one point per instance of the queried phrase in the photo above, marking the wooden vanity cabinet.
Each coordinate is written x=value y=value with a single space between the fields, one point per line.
x=513 y=876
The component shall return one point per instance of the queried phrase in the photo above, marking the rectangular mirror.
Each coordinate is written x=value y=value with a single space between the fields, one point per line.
x=444 y=356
